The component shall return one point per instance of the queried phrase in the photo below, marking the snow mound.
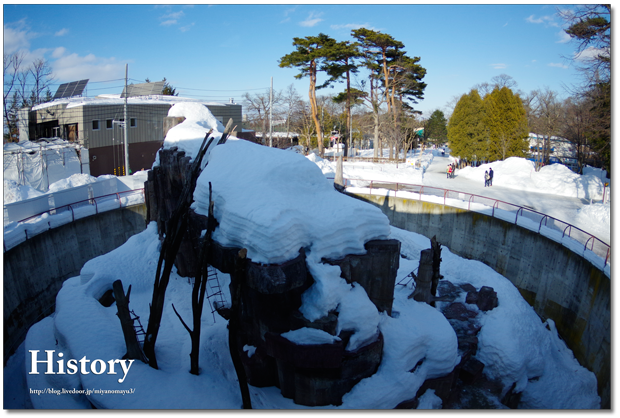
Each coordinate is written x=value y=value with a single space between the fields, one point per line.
x=189 y=134
x=597 y=216
x=74 y=180
x=309 y=336
x=519 y=173
x=14 y=192
x=327 y=168
x=295 y=206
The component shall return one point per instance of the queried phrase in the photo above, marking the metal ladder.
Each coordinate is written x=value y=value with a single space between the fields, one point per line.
x=140 y=333
x=408 y=278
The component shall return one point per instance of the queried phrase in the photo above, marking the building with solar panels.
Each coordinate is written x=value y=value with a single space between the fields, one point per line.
x=96 y=123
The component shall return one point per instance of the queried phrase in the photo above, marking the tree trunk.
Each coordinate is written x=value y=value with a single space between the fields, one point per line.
x=129 y=332
x=349 y=133
x=436 y=247
x=176 y=227
x=234 y=327
x=313 y=107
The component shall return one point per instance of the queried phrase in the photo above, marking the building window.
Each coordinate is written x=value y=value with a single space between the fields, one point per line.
x=108 y=123
x=133 y=122
x=95 y=125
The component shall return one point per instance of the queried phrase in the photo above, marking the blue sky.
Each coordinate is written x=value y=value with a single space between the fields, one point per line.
x=221 y=51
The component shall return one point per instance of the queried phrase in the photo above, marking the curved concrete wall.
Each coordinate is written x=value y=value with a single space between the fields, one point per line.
x=35 y=269
x=558 y=283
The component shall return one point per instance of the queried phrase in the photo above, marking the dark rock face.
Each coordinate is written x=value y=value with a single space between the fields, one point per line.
x=375 y=271
x=270 y=297
x=487 y=299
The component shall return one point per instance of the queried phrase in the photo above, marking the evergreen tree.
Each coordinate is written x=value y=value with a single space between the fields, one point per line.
x=466 y=130
x=386 y=50
x=341 y=64
x=168 y=90
x=311 y=56
x=406 y=81
x=505 y=121
x=436 y=129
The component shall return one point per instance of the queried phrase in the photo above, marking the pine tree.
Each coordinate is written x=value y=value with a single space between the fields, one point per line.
x=387 y=50
x=310 y=57
x=341 y=63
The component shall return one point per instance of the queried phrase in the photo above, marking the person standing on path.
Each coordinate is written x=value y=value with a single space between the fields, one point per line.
x=490 y=176
x=486 y=178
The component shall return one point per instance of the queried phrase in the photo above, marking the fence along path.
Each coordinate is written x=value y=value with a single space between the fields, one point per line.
x=519 y=215
x=33 y=216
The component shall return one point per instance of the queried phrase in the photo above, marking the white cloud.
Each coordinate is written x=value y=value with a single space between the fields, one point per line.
x=74 y=67
x=312 y=20
x=590 y=53
x=174 y=16
x=186 y=27
x=499 y=66
x=564 y=37
x=547 y=20
x=62 y=32
x=17 y=36
x=59 y=52
x=557 y=64
x=351 y=26
x=171 y=18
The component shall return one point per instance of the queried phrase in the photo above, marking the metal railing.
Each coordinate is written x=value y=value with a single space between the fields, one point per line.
x=72 y=207
x=366 y=159
x=601 y=248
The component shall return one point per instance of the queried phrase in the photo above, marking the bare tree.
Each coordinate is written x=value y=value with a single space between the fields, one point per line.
x=42 y=76
x=302 y=122
x=23 y=86
x=576 y=122
x=258 y=106
x=290 y=97
x=545 y=117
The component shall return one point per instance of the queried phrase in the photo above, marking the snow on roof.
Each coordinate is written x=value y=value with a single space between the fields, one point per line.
x=115 y=99
x=47 y=144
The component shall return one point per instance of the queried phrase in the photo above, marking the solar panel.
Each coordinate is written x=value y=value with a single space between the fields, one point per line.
x=74 y=88
x=143 y=89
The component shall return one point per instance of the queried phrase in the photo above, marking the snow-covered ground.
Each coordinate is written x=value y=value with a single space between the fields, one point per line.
x=554 y=190
x=290 y=193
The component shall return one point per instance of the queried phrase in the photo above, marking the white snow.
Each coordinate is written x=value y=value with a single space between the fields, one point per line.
x=309 y=336
x=282 y=195
x=189 y=134
x=14 y=192
x=273 y=203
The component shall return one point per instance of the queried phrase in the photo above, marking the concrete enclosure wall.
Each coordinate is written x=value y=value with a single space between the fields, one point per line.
x=35 y=270
x=558 y=283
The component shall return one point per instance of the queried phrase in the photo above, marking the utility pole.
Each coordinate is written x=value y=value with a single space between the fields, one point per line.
x=127 y=170
x=270 y=113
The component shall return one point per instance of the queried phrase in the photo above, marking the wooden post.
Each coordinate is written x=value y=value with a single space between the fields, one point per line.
x=129 y=332
x=422 y=292
x=436 y=247
x=428 y=274
x=234 y=326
